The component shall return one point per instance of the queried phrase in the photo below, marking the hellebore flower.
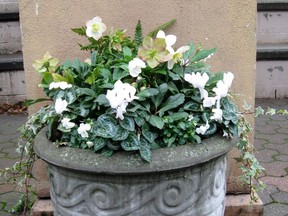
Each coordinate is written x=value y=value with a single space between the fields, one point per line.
x=120 y=96
x=47 y=64
x=217 y=116
x=89 y=144
x=135 y=66
x=82 y=130
x=60 y=105
x=62 y=85
x=176 y=56
x=154 y=51
x=202 y=129
x=199 y=81
x=95 y=28
x=67 y=124
x=169 y=39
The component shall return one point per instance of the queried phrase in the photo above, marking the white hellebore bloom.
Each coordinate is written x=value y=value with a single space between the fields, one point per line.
x=199 y=81
x=202 y=129
x=176 y=56
x=95 y=28
x=63 y=85
x=169 y=39
x=60 y=105
x=120 y=96
x=135 y=66
x=67 y=124
x=217 y=116
x=82 y=130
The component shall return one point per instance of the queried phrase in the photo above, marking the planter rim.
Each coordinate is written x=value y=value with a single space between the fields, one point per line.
x=163 y=159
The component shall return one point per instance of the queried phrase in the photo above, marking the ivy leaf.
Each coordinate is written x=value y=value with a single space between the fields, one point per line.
x=259 y=111
x=156 y=121
x=121 y=134
x=131 y=143
x=172 y=102
x=99 y=143
x=189 y=53
x=127 y=123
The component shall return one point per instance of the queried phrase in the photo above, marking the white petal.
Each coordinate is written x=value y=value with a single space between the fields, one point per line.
x=170 y=40
x=160 y=34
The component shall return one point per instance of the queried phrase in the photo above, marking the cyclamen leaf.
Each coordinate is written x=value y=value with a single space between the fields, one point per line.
x=172 y=102
x=149 y=135
x=178 y=116
x=106 y=130
x=145 y=150
x=106 y=152
x=121 y=134
x=99 y=143
x=127 y=123
x=102 y=100
x=131 y=143
x=156 y=121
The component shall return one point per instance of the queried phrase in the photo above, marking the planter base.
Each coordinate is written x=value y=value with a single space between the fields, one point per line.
x=198 y=190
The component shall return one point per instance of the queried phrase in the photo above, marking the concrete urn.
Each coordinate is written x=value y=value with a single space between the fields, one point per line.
x=186 y=180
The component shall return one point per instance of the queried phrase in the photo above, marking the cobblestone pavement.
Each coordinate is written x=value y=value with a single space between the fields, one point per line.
x=271 y=142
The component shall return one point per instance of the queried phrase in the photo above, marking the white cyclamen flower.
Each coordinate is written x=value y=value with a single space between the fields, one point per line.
x=209 y=101
x=169 y=39
x=95 y=28
x=228 y=79
x=135 y=66
x=176 y=56
x=120 y=96
x=63 y=85
x=67 y=124
x=221 y=89
x=202 y=129
x=82 y=130
x=199 y=81
x=60 y=105
x=217 y=116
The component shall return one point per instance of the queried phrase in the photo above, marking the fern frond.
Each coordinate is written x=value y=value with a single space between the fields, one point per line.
x=138 y=37
x=161 y=27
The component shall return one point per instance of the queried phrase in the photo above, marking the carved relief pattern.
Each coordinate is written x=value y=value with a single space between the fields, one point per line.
x=195 y=191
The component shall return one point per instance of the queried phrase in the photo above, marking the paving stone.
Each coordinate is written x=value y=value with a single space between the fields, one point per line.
x=283 y=149
x=276 y=209
x=275 y=139
x=266 y=155
x=280 y=182
x=265 y=194
x=280 y=197
x=281 y=157
x=282 y=130
x=11 y=153
x=276 y=168
x=268 y=129
x=7 y=163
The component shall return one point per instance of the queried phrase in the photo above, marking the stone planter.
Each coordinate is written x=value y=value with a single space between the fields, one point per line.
x=186 y=180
